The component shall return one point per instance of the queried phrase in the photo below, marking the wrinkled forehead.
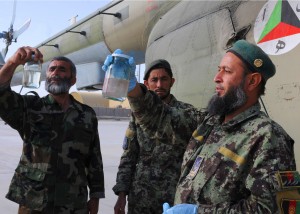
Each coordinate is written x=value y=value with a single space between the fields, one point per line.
x=58 y=63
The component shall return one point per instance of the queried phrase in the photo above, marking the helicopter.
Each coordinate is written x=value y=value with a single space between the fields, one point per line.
x=193 y=36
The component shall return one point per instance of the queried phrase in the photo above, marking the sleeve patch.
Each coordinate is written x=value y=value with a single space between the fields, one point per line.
x=288 y=179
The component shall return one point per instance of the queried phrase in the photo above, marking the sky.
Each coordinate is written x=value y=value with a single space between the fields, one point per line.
x=48 y=17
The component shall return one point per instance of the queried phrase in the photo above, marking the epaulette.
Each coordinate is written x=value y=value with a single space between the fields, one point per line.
x=129 y=133
x=288 y=197
x=128 y=136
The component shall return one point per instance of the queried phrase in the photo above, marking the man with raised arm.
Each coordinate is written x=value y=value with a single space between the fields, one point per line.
x=150 y=165
x=61 y=159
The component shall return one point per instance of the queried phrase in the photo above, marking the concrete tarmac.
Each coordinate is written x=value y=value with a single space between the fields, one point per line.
x=111 y=137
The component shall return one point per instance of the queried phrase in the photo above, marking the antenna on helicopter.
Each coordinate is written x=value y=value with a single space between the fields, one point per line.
x=11 y=35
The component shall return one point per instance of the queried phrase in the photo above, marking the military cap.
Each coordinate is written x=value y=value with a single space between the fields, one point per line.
x=160 y=63
x=254 y=57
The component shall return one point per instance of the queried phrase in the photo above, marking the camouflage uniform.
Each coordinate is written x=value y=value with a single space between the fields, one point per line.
x=61 y=153
x=231 y=167
x=150 y=165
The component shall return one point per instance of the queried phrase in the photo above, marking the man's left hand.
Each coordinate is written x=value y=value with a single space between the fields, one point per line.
x=93 y=205
x=132 y=78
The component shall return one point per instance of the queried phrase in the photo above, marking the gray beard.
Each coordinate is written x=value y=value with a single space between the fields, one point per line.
x=231 y=101
x=62 y=87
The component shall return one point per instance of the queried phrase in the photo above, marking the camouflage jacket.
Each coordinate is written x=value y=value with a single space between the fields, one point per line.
x=155 y=142
x=231 y=167
x=61 y=154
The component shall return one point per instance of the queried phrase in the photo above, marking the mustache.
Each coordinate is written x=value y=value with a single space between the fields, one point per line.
x=55 y=78
x=61 y=86
x=160 y=90
x=219 y=86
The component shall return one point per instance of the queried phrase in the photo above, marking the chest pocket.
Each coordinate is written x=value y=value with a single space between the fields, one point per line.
x=229 y=171
x=42 y=129
x=82 y=138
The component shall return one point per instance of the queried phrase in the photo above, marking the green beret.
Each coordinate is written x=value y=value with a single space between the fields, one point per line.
x=160 y=63
x=254 y=57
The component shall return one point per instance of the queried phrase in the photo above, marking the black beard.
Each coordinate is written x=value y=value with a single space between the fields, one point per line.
x=165 y=96
x=231 y=101
x=62 y=87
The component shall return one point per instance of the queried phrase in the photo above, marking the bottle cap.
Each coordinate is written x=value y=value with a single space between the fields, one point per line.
x=121 y=55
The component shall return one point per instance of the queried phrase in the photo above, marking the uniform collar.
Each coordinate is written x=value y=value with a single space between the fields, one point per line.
x=173 y=100
x=74 y=103
x=237 y=120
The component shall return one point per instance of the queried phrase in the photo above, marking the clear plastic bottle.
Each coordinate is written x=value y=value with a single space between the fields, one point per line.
x=116 y=80
x=32 y=74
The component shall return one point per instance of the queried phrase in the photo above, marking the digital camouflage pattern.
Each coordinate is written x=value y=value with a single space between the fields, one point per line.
x=231 y=167
x=61 y=154
x=156 y=139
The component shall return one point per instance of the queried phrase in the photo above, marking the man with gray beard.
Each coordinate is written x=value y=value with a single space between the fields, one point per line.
x=65 y=82
x=61 y=159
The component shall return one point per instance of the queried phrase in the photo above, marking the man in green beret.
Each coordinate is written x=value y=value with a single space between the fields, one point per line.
x=232 y=161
